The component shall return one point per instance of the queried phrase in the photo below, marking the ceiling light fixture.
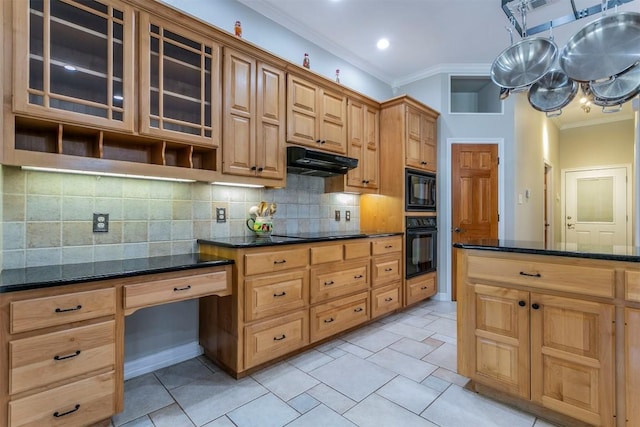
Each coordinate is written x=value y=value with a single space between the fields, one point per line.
x=383 y=44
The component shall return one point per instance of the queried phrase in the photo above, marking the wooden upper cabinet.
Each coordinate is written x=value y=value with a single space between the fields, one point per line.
x=179 y=83
x=421 y=140
x=316 y=116
x=254 y=114
x=73 y=61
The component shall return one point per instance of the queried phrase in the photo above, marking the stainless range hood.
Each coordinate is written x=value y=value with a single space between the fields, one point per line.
x=303 y=161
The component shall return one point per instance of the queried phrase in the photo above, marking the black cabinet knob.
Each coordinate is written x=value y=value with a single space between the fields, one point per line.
x=535 y=306
x=522 y=303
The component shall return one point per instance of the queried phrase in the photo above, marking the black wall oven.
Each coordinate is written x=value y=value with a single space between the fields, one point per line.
x=420 y=191
x=422 y=241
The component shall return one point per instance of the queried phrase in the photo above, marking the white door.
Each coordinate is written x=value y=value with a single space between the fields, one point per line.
x=596 y=207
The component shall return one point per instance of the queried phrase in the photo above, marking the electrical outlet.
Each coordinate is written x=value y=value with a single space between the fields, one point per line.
x=100 y=223
x=221 y=215
x=337 y=215
x=347 y=215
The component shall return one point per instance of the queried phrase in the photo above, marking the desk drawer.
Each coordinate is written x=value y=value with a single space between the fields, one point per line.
x=271 y=295
x=337 y=280
x=268 y=340
x=584 y=280
x=48 y=358
x=77 y=404
x=37 y=313
x=178 y=289
x=270 y=262
x=336 y=316
x=386 y=245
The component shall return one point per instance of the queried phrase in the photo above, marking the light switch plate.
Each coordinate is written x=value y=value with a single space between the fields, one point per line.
x=347 y=215
x=337 y=215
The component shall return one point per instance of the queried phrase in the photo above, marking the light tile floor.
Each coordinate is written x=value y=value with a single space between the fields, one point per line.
x=398 y=371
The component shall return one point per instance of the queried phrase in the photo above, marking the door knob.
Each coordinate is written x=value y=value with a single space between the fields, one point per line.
x=458 y=230
x=570 y=226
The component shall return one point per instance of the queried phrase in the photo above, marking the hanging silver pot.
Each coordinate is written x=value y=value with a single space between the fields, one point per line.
x=525 y=62
x=603 y=48
x=552 y=92
x=620 y=88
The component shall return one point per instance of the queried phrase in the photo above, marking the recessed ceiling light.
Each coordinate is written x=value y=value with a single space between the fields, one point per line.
x=383 y=44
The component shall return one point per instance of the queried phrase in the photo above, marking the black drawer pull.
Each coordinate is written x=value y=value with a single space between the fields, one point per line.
x=58 y=414
x=280 y=338
x=358 y=309
x=388 y=269
x=65 y=310
x=69 y=356
x=329 y=320
x=388 y=299
x=186 y=288
x=535 y=306
x=282 y=261
x=359 y=276
x=330 y=282
x=281 y=294
x=522 y=303
x=388 y=246
x=424 y=288
x=522 y=273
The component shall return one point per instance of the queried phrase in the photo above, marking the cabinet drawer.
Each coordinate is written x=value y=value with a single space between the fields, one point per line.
x=48 y=358
x=269 y=262
x=73 y=405
x=322 y=254
x=44 y=312
x=340 y=279
x=330 y=318
x=273 y=338
x=632 y=285
x=421 y=287
x=385 y=270
x=357 y=250
x=595 y=281
x=275 y=294
x=386 y=245
x=385 y=299
x=177 y=289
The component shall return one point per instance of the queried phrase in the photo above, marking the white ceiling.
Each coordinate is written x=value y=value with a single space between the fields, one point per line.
x=426 y=36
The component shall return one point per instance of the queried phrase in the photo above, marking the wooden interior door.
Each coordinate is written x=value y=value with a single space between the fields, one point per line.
x=474 y=195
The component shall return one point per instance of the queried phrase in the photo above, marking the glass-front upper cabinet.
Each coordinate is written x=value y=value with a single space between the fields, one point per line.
x=179 y=83
x=74 y=61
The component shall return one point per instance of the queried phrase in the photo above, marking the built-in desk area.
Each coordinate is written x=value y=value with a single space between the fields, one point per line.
x=63 y=331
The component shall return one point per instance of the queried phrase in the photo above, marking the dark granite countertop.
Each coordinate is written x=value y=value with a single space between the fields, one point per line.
x=613 y=253
x=20 y=279
x=292 y=238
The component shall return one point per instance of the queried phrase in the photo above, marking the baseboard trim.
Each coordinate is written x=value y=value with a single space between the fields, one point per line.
x=161 y=359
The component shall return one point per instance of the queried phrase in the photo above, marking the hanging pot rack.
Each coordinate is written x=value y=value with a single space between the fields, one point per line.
x=512 y=7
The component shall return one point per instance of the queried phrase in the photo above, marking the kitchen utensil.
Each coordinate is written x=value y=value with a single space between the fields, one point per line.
x=262 y=208
x=524 y=62
x=253 y=211
x=618 y=89
x=552 y=92
x=604 y=48
x=272 y=209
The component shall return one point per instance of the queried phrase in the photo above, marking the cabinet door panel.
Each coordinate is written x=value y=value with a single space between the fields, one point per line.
x=632 y=365
x=413 y=142
x=270 y=112
x=302 y=112
x=502 y=338
x=572 y=357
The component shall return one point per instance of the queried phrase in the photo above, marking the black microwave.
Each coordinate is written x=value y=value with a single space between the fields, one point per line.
x=420 y=191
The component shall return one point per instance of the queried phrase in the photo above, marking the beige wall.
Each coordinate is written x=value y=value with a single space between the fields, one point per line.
x=47 y=217
x=597 y=145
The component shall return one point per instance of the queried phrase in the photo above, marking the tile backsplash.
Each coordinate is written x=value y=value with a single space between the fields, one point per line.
x=47 y=218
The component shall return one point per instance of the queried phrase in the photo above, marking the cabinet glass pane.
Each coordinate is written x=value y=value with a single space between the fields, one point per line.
x=83 y=68
x=595 y=199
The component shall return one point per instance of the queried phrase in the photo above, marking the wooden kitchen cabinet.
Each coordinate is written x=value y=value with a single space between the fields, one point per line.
x=316 y=115
x=363 y=142
x=74 y=62
x=420 y=288
x=254 y=117
x=179 y=82
x=632 y=364
x=421 y=140
x=338 y=315
x=556 y=351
